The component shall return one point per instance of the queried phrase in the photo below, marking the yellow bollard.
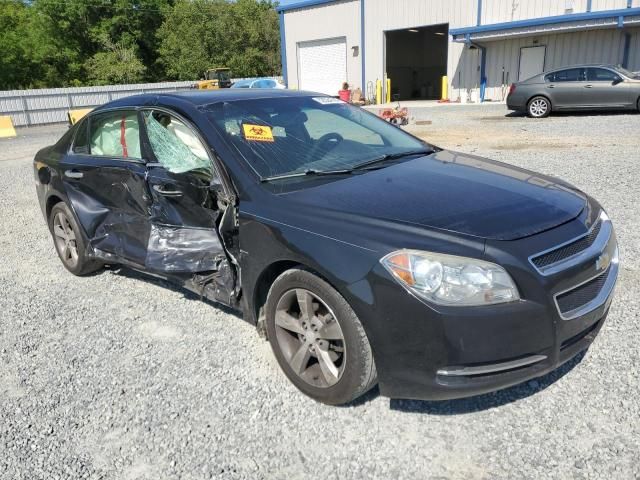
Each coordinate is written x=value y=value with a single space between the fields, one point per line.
x=75 y=115
x=388 y=90
x=378 y=92
x=445 y=89
x=6 y=127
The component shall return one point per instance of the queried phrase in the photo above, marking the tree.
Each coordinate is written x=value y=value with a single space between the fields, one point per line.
x=201 y=34
x=15 y=63
x=118 y=63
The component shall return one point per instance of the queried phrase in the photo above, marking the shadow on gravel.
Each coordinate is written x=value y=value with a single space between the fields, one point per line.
x=138 y=276
x=488 y=400
x=578 y=113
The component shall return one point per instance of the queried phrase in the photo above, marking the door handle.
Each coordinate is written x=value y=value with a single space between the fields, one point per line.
x=167 y=193
x=551 y=86
x=73 y=174
x=588 y=86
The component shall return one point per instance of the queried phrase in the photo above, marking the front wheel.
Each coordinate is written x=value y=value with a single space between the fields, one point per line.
x=317 y=339
x=539 y=107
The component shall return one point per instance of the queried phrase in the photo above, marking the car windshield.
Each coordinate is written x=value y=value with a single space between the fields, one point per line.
x=627 y=73
x=290 y=136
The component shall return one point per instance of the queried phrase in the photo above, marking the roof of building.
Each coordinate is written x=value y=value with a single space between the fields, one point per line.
x=570 y=20
x=302 y=4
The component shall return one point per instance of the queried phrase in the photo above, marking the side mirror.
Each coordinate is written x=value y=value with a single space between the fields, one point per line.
x=617 y=80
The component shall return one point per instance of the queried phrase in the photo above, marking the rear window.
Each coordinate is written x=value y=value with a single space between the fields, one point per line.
x=115 y=134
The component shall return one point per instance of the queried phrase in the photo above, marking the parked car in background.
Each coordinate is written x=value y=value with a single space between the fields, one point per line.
x=258 y=83
x=365 y=254
x=580 y=87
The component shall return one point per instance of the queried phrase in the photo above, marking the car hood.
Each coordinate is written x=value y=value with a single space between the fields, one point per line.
x=452 y=192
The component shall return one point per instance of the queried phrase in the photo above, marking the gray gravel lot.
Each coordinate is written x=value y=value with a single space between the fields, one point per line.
x=116 y=376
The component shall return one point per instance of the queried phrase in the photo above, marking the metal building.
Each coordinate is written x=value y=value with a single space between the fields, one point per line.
x=480 y=45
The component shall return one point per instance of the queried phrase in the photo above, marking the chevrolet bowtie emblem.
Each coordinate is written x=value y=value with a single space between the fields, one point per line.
x=603 y=261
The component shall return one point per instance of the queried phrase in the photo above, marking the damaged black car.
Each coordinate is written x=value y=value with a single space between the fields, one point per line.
x=365 y=255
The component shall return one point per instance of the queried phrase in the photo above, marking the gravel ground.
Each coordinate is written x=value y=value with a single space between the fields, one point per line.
x=116 y=376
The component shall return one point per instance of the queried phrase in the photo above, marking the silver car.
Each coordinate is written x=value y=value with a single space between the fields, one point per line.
x=581 y=87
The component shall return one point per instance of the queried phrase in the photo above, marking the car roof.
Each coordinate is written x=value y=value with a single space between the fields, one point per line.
x=583 y=65
x=206 y=97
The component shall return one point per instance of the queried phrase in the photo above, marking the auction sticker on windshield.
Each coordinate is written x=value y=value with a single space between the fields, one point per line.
x=257 y=133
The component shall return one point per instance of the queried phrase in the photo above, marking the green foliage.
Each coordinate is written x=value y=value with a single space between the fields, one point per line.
x=118 y=63
x=201 y=34
x=55 y=43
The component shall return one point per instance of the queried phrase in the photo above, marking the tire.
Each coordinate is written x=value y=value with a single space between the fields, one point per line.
x=69 y=242
x=638 y=105
x=539 y=107
x=326 y=355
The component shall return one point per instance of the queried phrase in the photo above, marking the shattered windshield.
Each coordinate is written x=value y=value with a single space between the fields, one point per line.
x=288 y=136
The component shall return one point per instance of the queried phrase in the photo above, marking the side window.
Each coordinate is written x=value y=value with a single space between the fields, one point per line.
x=601 y=75
x=321 y=122
x=176 y=147
x=115 y=134
x=81 y=141
x=570 y=75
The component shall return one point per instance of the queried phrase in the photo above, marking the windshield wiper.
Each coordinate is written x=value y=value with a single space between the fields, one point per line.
x=391 y=156
x=347 y=171
x=309 y=172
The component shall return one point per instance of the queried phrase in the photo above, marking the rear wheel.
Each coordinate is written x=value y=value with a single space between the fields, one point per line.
x=539 y=107
x=69 y=242
x=317 y=339
x=638 y=105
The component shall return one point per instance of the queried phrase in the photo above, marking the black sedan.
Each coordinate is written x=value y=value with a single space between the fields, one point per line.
x=581 y=87
x=363 y=254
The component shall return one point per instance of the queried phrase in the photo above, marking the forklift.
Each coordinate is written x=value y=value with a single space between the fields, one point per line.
x=214 y=78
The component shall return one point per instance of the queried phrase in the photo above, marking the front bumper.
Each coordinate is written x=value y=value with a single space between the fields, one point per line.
x=423 y=352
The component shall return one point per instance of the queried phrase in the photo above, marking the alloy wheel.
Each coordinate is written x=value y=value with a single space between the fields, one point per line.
x=538 y=107
x=310 y=338
x=65 y=239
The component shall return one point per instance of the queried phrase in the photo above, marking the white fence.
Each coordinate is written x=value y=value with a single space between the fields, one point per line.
x=50 y=105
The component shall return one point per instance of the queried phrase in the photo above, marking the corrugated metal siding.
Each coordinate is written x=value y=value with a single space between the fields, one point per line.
x=634 y=51
x=382 y=15
x=612 y=4
x=497 y=11
x=340 y=19
x=42 y=106
x=593 y=46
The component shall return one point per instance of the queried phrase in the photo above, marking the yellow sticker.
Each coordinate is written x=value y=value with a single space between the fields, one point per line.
x=257 y=133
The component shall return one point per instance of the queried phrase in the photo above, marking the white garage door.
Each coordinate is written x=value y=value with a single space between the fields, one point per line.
x=322 y=65
x=531 y=62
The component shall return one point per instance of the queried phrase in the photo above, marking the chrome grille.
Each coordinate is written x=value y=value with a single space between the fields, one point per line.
x=569 y=250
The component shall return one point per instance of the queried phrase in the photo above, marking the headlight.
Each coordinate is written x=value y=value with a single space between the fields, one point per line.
x=449 y=279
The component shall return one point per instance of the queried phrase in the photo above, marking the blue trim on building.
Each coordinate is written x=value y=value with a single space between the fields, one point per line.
x=573 y=17
x=629 y=3
x=302 y=4
x=479 y=21
x=362 y=42
x=589 y=2
x=283 y=50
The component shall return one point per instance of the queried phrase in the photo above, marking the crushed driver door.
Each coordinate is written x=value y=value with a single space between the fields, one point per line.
x=184 y=212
